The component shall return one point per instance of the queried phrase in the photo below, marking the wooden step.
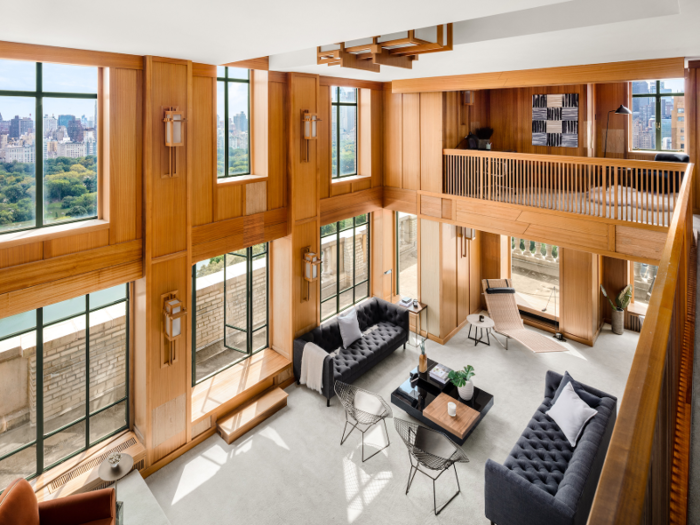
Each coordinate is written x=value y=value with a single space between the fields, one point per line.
x=250 y=415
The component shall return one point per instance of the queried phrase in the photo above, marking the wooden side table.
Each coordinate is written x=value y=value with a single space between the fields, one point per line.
x=417 y=310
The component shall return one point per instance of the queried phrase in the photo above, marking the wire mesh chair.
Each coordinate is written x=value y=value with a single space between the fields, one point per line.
x=364 y=408
x=430 y=449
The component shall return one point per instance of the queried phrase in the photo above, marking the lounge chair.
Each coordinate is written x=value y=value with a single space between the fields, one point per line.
x=503 y=309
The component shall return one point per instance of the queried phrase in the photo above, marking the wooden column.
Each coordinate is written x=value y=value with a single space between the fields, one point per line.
x=163 y=379
x=580 y=295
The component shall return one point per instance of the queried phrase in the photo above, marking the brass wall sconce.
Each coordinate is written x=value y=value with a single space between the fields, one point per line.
x=174 y=136
x=173 y=312
x=309 y=131
x=312 y=264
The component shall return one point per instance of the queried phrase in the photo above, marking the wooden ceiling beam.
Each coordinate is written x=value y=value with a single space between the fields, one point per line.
x=381 y=56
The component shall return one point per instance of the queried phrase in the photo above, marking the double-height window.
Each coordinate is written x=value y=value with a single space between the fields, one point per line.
x=231 y=303
x=344 y=131
x=345 y=266
x=232 y=122
x=64 y=380
x=406 y=255
x=48 y=144
x=658 y=115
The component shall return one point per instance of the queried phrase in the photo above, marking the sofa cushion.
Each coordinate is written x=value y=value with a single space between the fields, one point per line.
x=349 y=327
x=366 y=351
x=571 y=413
x=18 y=504
x=590 y=399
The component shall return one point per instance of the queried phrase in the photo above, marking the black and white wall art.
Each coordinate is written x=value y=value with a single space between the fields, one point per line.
x=555 y=120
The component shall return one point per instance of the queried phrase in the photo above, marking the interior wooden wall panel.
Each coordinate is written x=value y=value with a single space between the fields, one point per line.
x=281 y=277
x=449 y=306
x=490 y=256
x=203 y=125
x=306 y=315
x=463 y=254
x=593 y=73
x=125 y=154
x=23 y=254
x=475 y=273
x=580 y=296
x=609 y=97
x=411 y=136
x=76 y=243
x=50 y=292
x=377 y=131
x=430 y=275
x=343 y=187
x=277 y=175
x=65 y=55
x=229 y=201
x=431 y=141
x=259 y=120
x=169 y=82
x=382 y=254
x=325 y=140
x=303 y=92
x=446 y=209
x=74 y=264
x=615 y=276
x=342 y=207
x=638 y=242
x=692 y=111
x=401 y=200
x=431 y=206
x=255 y=197
x=393 y=140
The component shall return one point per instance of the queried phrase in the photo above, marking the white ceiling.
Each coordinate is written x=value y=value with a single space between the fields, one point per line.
x=572 y=33
x=220 y=31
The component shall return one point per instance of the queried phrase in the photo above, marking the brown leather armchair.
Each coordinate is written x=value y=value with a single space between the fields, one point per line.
x=18 y=506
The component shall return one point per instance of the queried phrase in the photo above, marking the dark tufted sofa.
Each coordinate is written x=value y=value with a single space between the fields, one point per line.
x=544 y=481
x=384 y=328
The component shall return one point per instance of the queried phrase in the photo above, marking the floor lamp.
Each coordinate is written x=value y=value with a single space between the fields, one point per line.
x=622 y=110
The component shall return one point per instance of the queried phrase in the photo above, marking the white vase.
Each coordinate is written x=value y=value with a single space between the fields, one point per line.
x=466 y=392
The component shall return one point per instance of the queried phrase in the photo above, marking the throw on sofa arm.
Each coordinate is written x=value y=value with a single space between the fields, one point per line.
x=512 y=500
x=79 y=508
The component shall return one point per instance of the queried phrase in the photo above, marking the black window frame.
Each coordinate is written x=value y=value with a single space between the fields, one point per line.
x=39 y=96
x=40 y=436
x=250 y=329
x=336 y=262
x=657 y=116
x=335 y=109
x=226 y=81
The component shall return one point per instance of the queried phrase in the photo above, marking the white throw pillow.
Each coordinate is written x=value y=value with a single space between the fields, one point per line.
x=349 y=327
x=571 y=413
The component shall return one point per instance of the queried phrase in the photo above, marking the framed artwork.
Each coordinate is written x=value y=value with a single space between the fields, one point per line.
x=555 y=120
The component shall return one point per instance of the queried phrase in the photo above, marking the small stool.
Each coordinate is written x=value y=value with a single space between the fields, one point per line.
x=480 y=327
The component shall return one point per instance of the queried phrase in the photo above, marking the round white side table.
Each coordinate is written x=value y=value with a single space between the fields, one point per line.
x=480 y=328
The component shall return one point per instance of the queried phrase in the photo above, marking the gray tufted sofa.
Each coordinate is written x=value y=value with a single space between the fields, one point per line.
x=544 y=481
x=384 y=328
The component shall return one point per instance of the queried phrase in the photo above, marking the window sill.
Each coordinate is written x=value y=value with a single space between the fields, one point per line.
x=637 y=308
x=348 y=180
x=243 y=179
x=10 y=240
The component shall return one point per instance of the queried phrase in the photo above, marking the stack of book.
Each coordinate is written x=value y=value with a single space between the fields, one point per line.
x=406 y=301
x=439 y=373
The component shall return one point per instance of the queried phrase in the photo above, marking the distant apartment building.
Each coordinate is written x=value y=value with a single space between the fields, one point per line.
x=678 y=124
x=23 y=154
x=64 y=120
x=20 y=126
x=72 y=150
x=50 y=124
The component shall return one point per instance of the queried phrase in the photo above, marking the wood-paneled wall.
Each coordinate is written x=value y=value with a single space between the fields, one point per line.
x=579 y=316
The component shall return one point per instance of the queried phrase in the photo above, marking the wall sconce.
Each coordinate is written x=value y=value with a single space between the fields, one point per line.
x=309 y=130
x=311 y=263
x=173 y=312
x=174 y=136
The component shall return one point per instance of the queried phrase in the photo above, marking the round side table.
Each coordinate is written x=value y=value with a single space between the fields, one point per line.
x=480 y=328
x=109 y=474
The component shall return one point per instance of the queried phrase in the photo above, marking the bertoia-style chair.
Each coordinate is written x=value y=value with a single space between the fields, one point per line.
x=431 y=450
x=365 y=409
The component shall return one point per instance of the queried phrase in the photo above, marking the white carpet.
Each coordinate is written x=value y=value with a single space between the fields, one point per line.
x=291 y=469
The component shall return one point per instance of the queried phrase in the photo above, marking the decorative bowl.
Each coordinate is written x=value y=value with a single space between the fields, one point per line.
x=114 y=458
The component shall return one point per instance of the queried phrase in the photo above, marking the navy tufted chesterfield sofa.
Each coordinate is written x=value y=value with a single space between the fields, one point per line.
x=384 y=328
x=544 y=481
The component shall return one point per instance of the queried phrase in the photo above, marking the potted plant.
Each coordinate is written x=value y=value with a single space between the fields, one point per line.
x=462 y=380
x=484 y=135
x=622 y=301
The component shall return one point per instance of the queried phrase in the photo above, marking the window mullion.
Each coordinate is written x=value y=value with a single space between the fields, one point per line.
x=226 y=126
x=87 y=371
x=337 y=265
x=39 y=393
x=354 y=258
x=39 y=150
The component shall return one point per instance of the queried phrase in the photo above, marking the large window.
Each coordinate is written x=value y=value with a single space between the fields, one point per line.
x=407 y=255
x=344 y=124
x=535 y=276
x=231 y=303
x=658 y=120
x=345 y=267
x=644 y=278
x=64 y=380
x=62 y=186
x=232 y=122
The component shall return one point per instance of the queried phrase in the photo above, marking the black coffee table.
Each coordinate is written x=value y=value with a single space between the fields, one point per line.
x=419 y=390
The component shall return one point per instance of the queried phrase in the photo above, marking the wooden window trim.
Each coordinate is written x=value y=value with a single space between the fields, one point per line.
x=48 y=233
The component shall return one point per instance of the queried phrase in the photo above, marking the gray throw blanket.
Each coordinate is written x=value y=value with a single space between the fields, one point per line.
x=312 y=366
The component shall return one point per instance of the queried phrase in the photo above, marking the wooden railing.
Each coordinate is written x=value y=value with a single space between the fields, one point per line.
x=634 y=191
x=640 y=478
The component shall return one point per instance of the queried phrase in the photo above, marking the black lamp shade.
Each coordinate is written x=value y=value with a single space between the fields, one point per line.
x=622 y=110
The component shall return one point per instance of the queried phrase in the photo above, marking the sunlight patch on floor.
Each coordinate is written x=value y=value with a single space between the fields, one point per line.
x=199 y=470
x=361 y=488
